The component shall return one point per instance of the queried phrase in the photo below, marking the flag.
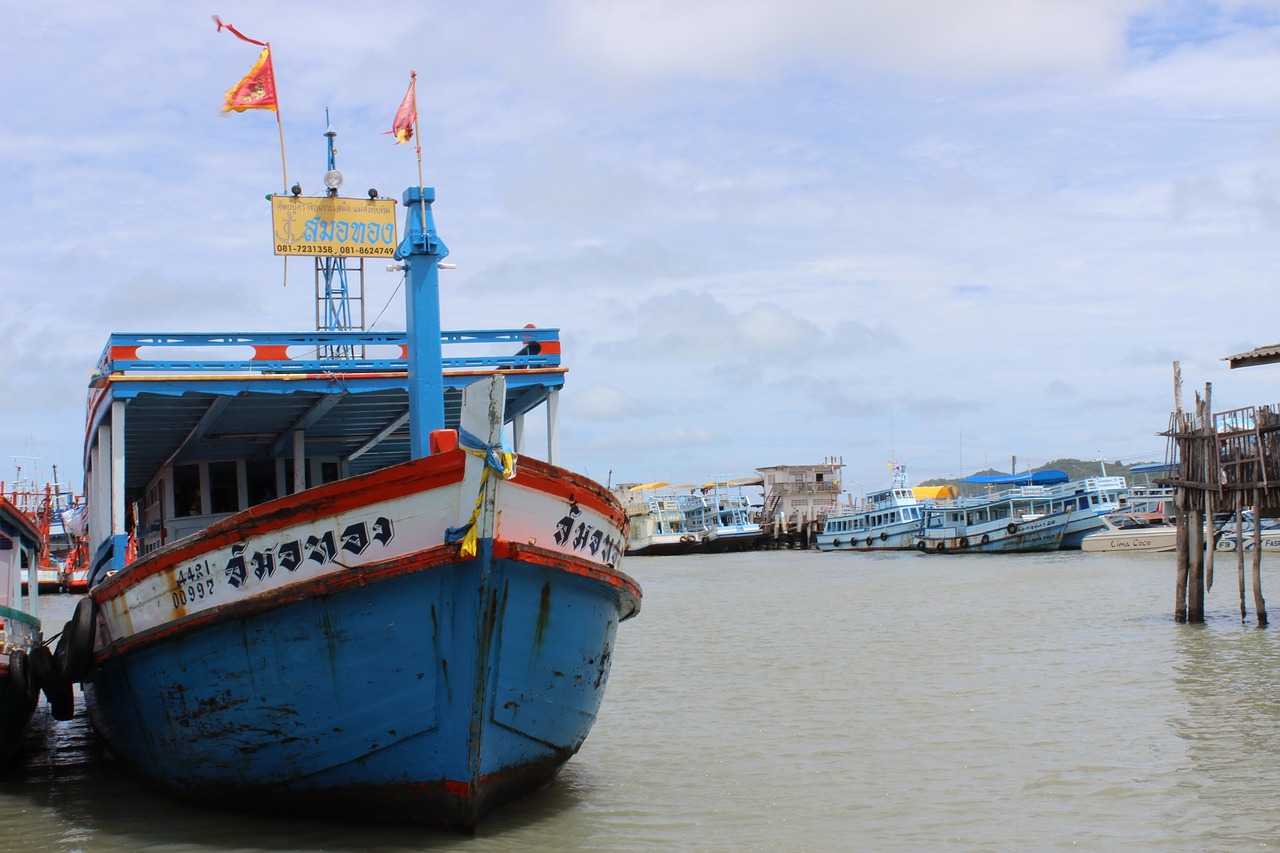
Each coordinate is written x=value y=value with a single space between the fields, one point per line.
x=257 y=91
x=402 y=127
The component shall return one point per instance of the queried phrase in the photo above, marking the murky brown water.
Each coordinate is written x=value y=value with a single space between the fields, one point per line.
x=799 y=701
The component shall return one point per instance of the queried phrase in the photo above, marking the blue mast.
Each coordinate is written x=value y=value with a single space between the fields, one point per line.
x=421 y=250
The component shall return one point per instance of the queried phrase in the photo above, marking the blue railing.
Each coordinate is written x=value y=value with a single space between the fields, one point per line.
x=305 y=352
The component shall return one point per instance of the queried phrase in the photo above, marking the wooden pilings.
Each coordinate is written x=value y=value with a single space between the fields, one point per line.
x=1224 y=464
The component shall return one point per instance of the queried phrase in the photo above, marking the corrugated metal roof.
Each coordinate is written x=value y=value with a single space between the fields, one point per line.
x=1261 y=355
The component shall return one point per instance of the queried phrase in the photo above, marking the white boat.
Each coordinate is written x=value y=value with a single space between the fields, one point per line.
x=1227 y=540
x=887 y=520
x=1017 y=520
x=721 y=516
x=1085 y=501
x=657 y=521
x=1133 y=531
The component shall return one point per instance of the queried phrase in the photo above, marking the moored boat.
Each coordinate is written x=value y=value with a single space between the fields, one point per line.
x=20 y=637
x=1085 y=501
x=886 y=520
x=349 y=598
x=1133 y=531
x=657 y=521
x=1268 y=536
x=720 y=514
x=1012 y=521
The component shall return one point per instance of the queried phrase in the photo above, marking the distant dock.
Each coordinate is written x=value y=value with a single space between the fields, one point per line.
x=1222 y=465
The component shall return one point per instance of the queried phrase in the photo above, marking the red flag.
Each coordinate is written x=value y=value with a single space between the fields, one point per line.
x=402 y=127
x=257 y=91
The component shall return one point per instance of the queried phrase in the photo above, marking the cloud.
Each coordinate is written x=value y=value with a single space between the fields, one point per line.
x=745 y=39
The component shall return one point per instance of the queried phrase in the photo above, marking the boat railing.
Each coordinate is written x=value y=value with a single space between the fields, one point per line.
x=303 y=352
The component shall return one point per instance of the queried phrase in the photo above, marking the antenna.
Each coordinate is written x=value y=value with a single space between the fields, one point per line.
x=334 y=299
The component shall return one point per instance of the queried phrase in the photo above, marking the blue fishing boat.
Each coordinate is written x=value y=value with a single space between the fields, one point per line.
x=321 y=581
x=887 y=520
x=20 y=638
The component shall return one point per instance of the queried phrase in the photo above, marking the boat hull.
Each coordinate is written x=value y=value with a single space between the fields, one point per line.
x=903 y=538
x=396 y=682
x=16 y=707
x=1041 y=534
x=1110 y=541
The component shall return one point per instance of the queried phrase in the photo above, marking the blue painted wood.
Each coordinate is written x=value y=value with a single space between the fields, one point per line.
x=422 y=251
x=366 y=695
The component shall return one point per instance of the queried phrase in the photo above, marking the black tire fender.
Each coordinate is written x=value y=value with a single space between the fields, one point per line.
x=57 y=690
x=20 y=674
x=1012 y=528
x=76 y=645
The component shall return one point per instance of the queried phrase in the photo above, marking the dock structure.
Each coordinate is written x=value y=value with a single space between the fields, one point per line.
x=1221 y=465
x=797 y=499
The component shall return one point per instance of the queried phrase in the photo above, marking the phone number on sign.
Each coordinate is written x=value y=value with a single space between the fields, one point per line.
x=318 y=249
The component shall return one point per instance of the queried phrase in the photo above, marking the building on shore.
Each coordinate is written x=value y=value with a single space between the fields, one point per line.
x=796 y=501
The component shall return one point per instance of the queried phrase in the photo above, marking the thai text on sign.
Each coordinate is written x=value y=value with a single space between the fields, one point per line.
x=350 y=227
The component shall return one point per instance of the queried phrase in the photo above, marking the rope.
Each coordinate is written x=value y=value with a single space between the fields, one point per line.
x=497 y=459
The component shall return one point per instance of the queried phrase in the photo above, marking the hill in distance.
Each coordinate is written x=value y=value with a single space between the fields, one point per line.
x=1076 y=469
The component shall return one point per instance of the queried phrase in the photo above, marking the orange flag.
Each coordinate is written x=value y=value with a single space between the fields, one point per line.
x=257 y=91
x=402 y=127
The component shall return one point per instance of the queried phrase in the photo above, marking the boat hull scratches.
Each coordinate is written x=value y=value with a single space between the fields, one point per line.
x=370 y=701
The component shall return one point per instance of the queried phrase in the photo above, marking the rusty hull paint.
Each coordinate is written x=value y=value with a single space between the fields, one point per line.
x=513 y=716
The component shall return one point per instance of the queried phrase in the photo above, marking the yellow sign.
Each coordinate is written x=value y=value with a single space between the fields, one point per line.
x=342 y=227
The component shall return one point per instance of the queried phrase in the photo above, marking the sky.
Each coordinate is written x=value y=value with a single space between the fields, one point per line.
x=770 y=233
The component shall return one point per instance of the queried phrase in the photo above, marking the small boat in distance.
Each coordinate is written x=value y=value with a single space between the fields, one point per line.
x=1132 y=531
x=657 y=519
x=1016 y=520
x=720 y=513
x=887 y=520
x=47 y=506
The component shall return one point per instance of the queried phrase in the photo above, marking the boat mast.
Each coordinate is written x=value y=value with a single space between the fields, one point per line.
x=421 y=251
x=333 y=295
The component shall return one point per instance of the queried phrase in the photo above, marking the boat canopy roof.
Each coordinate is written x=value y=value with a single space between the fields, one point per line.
x=226 y=396
x=1030 y=478
x=934 y=493
x=1154 y=468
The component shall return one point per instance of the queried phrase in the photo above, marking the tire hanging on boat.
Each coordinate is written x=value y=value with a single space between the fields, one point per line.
x=1012 y=528
x=985 y=538
x=57 y=690
x=20 y=674
x=75 y=649
x=964 y=543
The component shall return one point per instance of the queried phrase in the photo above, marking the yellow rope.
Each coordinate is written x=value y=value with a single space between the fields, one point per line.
x=472 y=537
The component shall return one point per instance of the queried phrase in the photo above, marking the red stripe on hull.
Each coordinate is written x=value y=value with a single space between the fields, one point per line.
x=421 y=475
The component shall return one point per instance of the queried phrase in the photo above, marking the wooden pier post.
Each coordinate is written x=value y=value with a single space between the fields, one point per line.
x=1239 y=507
x=1259 y=605
x=1180 y=556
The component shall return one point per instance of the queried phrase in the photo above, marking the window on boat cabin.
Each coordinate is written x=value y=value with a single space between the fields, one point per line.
x=224 y=491
x=186 y=490
x=328 y=472
x=260 y=475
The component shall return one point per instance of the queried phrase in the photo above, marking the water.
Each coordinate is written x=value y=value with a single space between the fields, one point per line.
x=800 y=701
